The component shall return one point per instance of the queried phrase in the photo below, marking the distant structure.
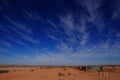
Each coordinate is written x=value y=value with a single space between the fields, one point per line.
x=97 y=68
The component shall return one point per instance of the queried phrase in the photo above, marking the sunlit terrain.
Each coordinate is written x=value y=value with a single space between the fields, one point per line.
x=58 y=73
x=59 y=39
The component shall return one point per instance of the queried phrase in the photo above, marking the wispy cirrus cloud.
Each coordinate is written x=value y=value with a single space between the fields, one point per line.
x=5 y=46
x=48 y=59
x=99 y=51
x=52 y=23
x=21 y=29
x=83 y=34
x=64 y=47
x=5 y=43
x=93 y=13
x=76 y=33
x=73 y=36
x=78 y=37
x=53 y=37
x=118 y=35
x=3 y=50
x=68 y=23
x=32 y=16
x=23 y=44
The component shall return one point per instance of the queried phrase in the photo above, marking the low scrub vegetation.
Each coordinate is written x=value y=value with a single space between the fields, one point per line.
x=69 y=74
x=61 y=74
x=32 y=70
x=4 y=71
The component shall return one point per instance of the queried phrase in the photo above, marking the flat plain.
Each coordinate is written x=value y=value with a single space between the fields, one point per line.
x=57 y=73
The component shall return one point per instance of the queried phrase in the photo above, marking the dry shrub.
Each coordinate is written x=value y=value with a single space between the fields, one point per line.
x=45 y=76
x=64 y=69
x=32 y=70
x=4 y=71
x=61 y=74
x=69 y=74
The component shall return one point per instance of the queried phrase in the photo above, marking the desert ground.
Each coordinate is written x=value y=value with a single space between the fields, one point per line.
x=57 y=73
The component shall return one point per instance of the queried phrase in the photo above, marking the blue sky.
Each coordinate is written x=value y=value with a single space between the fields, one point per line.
x=60 y=32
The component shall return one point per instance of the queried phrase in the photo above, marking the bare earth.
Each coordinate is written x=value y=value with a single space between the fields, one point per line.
x=67 y=73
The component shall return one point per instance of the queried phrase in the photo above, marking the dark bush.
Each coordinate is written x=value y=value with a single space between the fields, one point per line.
x=4 y=71
x=69 y=74
x=32 y=70
x=45 y=76
x=64 y=69
x=61 y=74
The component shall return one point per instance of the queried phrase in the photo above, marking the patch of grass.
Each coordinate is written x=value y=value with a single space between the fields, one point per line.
x=4 y=71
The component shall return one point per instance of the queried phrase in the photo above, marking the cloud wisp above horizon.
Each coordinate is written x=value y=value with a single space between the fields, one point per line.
x=66 y=32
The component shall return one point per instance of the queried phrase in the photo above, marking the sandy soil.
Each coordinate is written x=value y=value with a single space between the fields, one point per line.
x=59 y=74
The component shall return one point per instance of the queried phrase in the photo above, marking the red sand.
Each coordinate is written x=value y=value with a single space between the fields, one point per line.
x=60 y=74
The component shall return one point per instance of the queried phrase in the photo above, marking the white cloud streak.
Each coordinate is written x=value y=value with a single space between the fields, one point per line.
x=118 y=35
x=23 y=44
x=64 y=47
x=5 y=43
x=5 y=46
x=67 y=24
x=31 y=16
x=52 y=23
x=3 y=50
x=95 y=14
x=22 y=30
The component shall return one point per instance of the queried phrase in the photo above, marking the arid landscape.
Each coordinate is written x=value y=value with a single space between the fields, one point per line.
x=14 y=72
x=59 y=39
